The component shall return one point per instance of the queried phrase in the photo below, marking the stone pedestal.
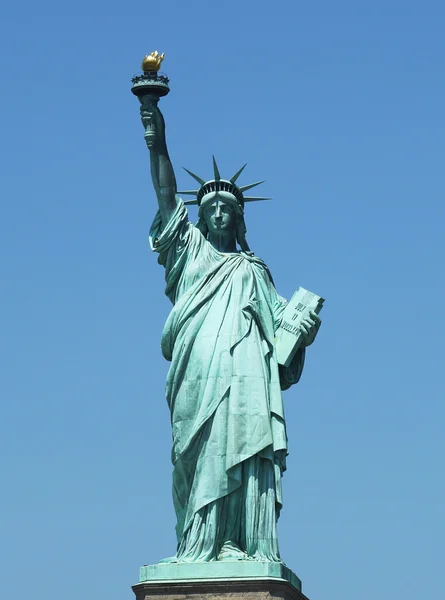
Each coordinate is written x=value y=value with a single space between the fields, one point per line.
x=247 y=589
x=218 y=581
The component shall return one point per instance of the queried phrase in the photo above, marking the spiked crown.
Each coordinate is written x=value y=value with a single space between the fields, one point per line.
x=222 y=185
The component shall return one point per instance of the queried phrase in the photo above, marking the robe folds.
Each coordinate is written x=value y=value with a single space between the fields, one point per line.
x=224 y=393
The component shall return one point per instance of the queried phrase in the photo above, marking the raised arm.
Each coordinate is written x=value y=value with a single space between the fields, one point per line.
x=162 y=173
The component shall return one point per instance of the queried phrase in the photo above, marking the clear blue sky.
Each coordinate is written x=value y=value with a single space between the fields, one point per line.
x=340 y=107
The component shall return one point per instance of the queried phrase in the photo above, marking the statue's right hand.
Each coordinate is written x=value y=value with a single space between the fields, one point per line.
x=148 y=121
x=153 y=123
x=146 y=116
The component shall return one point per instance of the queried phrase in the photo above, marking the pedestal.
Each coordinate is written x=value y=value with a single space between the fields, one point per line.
x=218 y=581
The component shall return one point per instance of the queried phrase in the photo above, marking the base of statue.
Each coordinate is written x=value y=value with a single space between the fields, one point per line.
x=218 y=580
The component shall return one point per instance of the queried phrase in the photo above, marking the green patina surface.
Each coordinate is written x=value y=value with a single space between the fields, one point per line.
x=224 y=383
x=219 y=570
x=224 y=392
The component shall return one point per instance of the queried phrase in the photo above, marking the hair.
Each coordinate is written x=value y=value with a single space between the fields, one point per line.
x=241 y=231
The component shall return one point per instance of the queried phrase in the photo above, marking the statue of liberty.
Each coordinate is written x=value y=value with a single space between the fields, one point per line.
x=224 y=383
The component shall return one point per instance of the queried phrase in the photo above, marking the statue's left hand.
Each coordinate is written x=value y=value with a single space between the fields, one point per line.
x=310 y=327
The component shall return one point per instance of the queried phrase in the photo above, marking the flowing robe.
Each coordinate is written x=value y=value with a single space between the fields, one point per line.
x=224 y=393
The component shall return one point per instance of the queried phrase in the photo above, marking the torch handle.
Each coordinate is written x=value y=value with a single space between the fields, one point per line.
x=149 y=103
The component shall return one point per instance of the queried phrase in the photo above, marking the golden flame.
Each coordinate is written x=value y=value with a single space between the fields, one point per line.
x=152 y=61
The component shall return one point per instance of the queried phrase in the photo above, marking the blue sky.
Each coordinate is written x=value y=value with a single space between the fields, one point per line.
x=340 y=107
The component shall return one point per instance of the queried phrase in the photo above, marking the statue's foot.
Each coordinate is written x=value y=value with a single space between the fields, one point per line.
x=231 y=551
x=274 y=558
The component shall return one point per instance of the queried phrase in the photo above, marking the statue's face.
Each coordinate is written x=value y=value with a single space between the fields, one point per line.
x=220 y=216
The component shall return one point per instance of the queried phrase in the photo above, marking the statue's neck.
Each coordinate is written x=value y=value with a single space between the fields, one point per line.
x=223 y=243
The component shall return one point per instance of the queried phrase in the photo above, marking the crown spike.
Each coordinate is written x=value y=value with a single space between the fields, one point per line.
x=244 y=188
x=216 y=170
x=188 y=192
x=190 y=202
x=238 y=173
x=198 y=179
x=254 y=198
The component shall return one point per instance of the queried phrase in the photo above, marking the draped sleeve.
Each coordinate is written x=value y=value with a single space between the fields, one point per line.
x=178 y=244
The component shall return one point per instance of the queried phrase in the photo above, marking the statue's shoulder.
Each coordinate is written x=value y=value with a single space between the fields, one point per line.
x=259 y=264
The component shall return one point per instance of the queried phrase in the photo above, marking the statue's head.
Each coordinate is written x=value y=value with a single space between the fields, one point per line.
x=221 y=213
x=221 y=205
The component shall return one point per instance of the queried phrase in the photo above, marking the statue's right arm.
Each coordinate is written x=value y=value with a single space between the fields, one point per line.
x=162 y=173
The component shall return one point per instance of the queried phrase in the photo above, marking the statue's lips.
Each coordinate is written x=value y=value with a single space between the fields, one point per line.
x=220 y=225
